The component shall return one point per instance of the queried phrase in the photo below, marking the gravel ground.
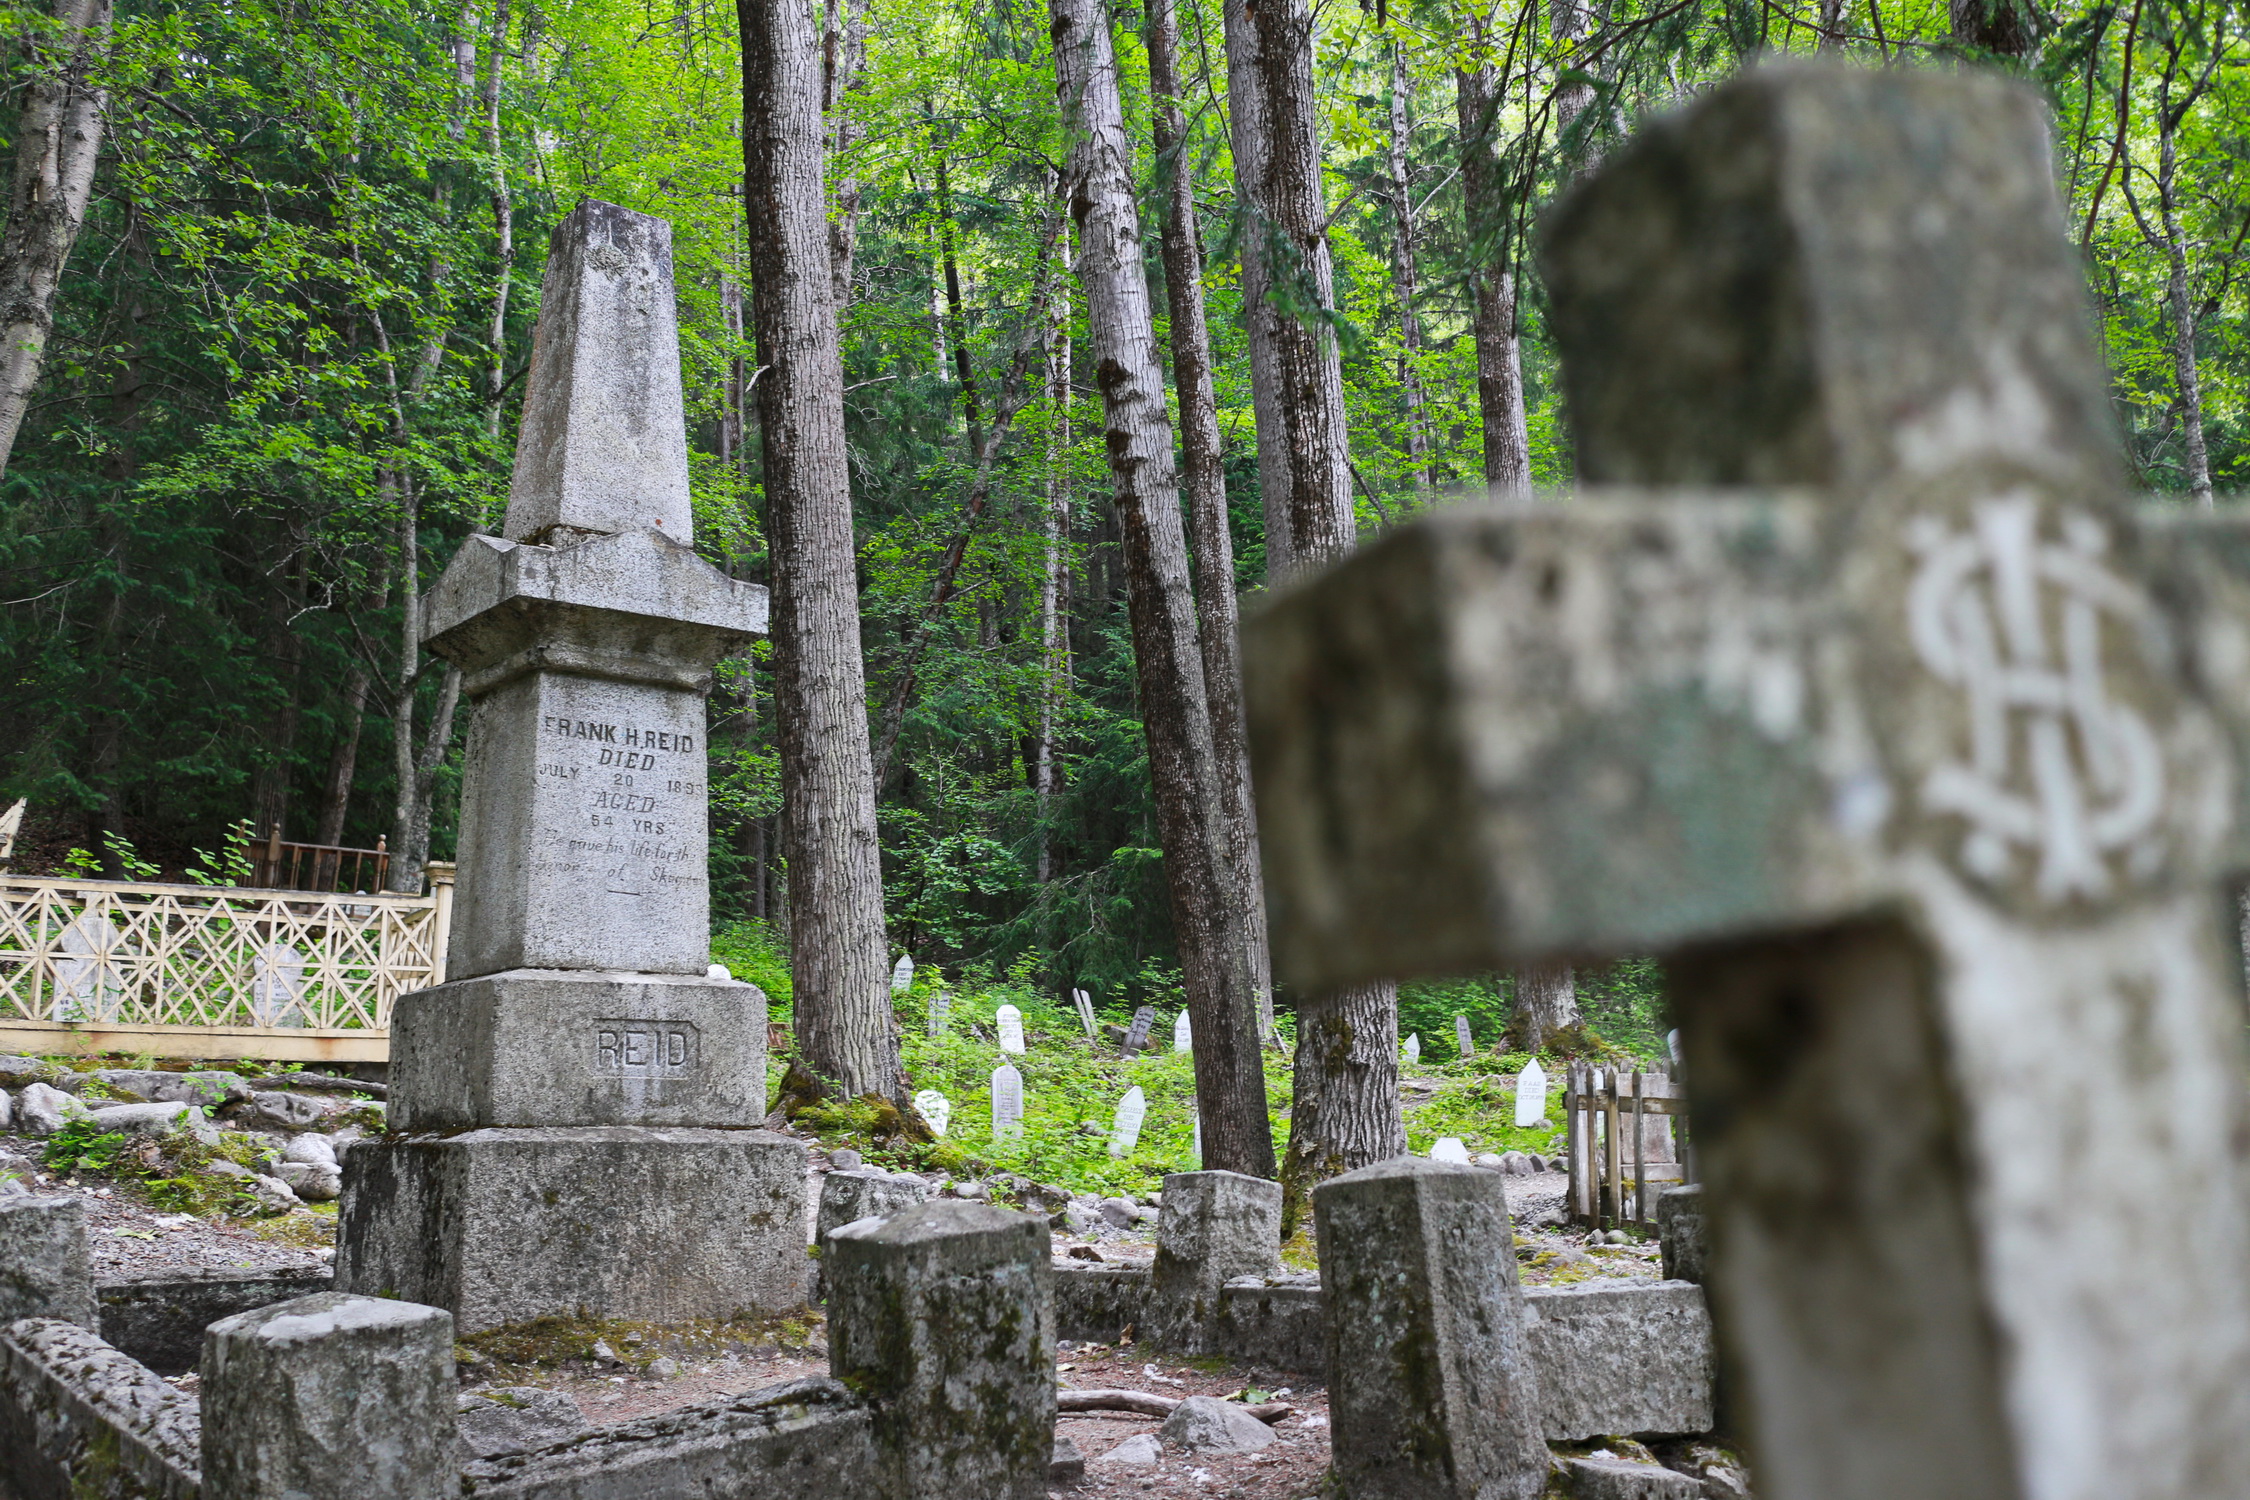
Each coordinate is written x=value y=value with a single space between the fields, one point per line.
x=128 y=1236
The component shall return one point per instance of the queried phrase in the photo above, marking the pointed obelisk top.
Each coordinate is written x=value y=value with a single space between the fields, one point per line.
x=604 y=441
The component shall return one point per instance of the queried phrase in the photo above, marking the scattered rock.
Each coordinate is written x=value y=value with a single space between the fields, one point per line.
x=16 y=1071
x=604 y=1355
x=664 y=1368
x=1600 y=1478
x=1205 y=1424
x=7 y=1109
x=1616 y=1237
x=1490 y=1162
x=312 y=1148
x=513 y=1419
x=1068 y=1465
x=845 y=1159
x=974 y=1192
x=278 y=1111
x=315 y=1182
x=273 y=1195
x=1138 y=1452
x=42 y=1109
x=145 y=1119
x=1084 y=1252
x=224 y=1168
x=207 y=1088
x=1073 y=1218
x=1119 y=1214
x=1723 y=1475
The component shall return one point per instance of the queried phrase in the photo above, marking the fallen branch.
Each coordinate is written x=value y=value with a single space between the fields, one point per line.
x=1151 y=1405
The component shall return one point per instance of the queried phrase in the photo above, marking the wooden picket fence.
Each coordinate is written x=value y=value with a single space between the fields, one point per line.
x=1610 y=1173
x=98 y=966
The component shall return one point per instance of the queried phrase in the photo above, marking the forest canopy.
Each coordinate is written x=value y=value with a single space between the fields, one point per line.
x=288 y=349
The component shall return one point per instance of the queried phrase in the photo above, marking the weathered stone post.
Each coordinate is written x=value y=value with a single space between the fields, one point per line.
x=1927 y=777
x=1430 y=1387
x=944 y=1316
x=330 y=1397
x=44 y=1268
x=1212 y=1227
x=573 y=1112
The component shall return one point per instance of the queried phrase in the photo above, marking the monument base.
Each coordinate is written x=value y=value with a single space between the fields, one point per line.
x=528 y=1048
x=501 y=1226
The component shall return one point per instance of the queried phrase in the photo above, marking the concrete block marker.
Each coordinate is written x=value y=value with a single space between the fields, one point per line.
x=1882 y=714
x=1430 y=1384
x=44 y=1268
x=943 y=1316
x=330 y=1397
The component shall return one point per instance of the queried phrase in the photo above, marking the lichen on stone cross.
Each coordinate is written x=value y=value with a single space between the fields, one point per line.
x=1909 y=743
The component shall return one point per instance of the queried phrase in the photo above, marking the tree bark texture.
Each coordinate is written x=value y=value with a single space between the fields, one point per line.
x=2179 y=300
x=58 y=137
x=1546 y=1003
x=1206 y=916
x=1345 y=1106
x=845 y=1030
x=1054 y=571
x=343 y=759
x=1507 y=439
x=503 y=225
x=1404 y=274
x=843 y=56
x=1247 y=130
x=1205 y=482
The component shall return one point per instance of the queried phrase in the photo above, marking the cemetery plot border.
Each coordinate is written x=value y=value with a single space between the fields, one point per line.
x=1610 y=1181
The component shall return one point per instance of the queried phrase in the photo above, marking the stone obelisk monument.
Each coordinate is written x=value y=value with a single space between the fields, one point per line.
x=573 y=1114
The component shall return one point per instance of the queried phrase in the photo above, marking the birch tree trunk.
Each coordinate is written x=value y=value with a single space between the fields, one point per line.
x=2180 y=303
x=1507 y=440
x=343 y=758
x=503 y=225
x=58 y=137
x=1247 y=128
x=1054 y=573
x=1403 y=270
x=846 y=1032
x=1344 y=1111
x=1206 y=918
x=1205 y=482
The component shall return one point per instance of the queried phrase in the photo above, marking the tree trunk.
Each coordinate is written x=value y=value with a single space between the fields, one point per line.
x=2180 y=301
x=1248 y=129
x=964 y=372
x=1054 y=572
x=1507 y=441
x=414 y=766
x=1206 y=486
x=1175 y=713
x=1546 y=1003
x=1572 y=21
x=58 y=137
x=843 y=54
x=1345 y=1109
x=503 y=225
x=845 y=1029
x=1403 y=271
x=343 y=759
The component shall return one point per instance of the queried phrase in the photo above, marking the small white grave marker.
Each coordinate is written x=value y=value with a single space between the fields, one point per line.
x=935 y=1108
x=1085 y=1004
x=1007 y=1103
x=1414 y=1046
x=1198 y=1147
x=1125 y=1130
x=1531 y=1095
x=277 y=986
x=1183 y=1036
x=1450 y=1148
x=1461 y=1037
x=902 y=977
x=88 y=986
x=940 y=1004
x=1010 y=1021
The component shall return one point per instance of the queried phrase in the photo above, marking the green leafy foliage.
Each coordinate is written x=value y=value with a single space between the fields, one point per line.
x=82 y=1146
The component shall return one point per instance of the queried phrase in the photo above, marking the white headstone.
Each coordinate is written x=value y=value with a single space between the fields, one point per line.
x=1007 y=1103
x=11 y=822
x=1449 y=1148
x=1414 y=1046
x=935 y=1108
x=1461 y=1037
x=1672 y=1045
x=1125 y=1130
x=1010 y=1021
x=88 y=986
x=1085 y=1004
x=902 y=975
x=941 y=1004
x=1183 y=1035
x=1531 y=1095
x=277 y=987
x=1198 y=1147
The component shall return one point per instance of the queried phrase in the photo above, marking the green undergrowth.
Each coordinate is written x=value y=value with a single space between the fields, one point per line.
x=546 y=1344
x=1481 y=1110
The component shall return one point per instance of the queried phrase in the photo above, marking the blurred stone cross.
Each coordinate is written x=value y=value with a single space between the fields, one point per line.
x=1912 y=747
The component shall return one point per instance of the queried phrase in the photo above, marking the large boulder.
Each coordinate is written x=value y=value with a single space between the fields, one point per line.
x=516 y=1419
x=273 y=1110
x=1205 y=1424
x=315 y=1182
x=206 y=1088
x=42 y=1109
x=149 y=1119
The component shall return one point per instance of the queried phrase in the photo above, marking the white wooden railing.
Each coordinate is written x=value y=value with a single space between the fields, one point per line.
x=212 y=971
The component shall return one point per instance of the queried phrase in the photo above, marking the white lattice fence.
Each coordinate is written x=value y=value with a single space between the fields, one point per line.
x=97 y=953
